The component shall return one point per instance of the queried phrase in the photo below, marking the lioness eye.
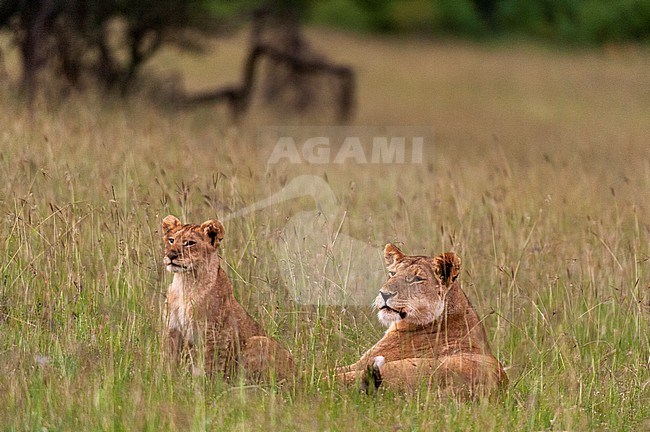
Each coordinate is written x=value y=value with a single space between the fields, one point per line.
x=391 y=273
x=189 y=243
x=416 y=279
x=170 y=240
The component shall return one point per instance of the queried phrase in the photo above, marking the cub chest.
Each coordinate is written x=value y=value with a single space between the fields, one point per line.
x=178 y=313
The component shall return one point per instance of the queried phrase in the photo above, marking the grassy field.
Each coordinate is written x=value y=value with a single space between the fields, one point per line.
x=538 y=177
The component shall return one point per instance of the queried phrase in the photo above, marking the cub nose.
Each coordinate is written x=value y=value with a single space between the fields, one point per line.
x=386 y=295
x=172 y=255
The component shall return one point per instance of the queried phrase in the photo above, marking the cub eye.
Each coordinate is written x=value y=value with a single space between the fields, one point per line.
x=170 y=240
x=391 y=273
x=189 y=243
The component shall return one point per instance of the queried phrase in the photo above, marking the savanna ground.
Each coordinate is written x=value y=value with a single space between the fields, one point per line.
x=539 y=178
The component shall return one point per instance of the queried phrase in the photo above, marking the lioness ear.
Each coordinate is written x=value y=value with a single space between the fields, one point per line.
x=214 y=230
x=392 y=255
x=446 y=267
x=169 y=223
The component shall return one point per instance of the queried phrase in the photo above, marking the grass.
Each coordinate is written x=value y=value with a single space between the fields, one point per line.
x=538 y=178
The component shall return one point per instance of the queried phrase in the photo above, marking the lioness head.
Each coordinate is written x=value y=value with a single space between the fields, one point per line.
x=416 y=287
x=188 y=246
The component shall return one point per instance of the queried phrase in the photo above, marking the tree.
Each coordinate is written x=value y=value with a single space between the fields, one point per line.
x=295 y=72
x=106 y=40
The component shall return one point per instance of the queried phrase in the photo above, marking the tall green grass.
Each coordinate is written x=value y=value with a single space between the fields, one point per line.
x=553 y=231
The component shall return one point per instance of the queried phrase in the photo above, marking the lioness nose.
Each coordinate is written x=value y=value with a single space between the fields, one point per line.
x=386 y=295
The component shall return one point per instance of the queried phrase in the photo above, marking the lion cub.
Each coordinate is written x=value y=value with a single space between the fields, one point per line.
x=434 y=335
x=201 y=310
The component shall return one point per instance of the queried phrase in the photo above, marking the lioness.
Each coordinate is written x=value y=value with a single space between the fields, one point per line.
x=201 y=310
x=434 y=334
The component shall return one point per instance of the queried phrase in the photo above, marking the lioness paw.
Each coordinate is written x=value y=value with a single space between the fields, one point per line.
x=372 y=377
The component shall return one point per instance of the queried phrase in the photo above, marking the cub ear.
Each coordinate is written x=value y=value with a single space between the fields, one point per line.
x=215 y=231
x=392 y=255
x=169 y=223
x=446 y=267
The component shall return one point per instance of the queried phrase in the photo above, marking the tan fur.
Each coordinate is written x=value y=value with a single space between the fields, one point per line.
x=435 y=337
x=201 y=311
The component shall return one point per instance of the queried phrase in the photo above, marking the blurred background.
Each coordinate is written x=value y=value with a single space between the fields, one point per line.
x=289 y=54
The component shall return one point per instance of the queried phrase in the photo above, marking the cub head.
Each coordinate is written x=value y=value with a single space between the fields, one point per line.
x=188 y=247
x=416 y=287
